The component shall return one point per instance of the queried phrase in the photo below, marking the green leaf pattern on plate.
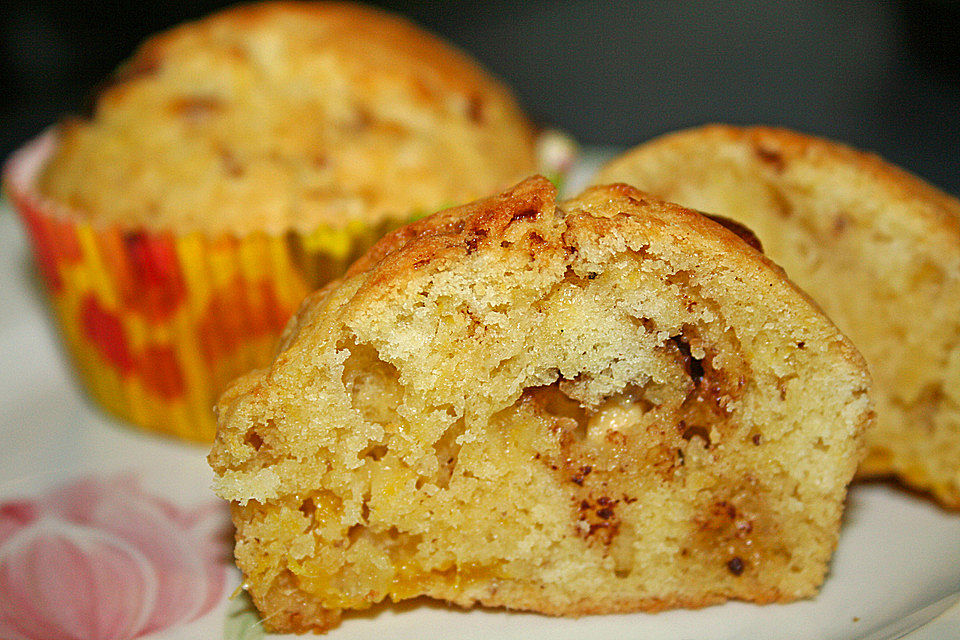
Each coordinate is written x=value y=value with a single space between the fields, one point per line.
x=242 y=620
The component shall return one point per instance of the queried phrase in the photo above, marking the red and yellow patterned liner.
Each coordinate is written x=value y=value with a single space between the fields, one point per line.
x=158 y=323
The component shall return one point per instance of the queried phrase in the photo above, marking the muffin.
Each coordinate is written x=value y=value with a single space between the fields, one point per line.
x=232 y=166
x=876 y=247
x=607 y=404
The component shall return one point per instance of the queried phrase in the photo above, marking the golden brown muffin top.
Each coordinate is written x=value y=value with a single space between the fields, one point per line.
x=781 y=150
x=603 y=213
x=286 y=115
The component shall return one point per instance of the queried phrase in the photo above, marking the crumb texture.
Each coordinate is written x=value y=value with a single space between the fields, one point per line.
x=601 y=405
x=877 y=248
x=284 y=115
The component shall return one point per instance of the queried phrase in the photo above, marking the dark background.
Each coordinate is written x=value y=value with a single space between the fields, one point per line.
x=884 y=76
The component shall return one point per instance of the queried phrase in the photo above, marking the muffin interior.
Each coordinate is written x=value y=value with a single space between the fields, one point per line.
x=572 y=435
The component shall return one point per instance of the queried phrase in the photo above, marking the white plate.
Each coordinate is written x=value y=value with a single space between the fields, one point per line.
x=899 y=555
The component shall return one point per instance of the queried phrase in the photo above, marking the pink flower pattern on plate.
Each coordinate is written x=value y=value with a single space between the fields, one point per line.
x=102 y=559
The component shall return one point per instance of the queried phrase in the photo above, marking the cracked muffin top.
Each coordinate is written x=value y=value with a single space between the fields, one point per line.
x=279 y=116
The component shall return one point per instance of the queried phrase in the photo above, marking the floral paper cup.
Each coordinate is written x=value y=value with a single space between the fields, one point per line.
x=157 y=323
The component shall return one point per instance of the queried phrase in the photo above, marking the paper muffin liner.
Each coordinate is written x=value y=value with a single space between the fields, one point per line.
x=158 y=323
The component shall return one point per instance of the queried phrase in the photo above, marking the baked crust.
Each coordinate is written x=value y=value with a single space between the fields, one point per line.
x=602 y=405
x=285 y=115
x=877 y=247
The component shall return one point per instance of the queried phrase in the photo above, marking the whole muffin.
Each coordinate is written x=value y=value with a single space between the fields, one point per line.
x=598 y=405
x=877 y=248
x=233 y=165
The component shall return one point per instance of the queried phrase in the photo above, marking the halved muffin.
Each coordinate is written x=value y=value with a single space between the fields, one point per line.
x=606 y=404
